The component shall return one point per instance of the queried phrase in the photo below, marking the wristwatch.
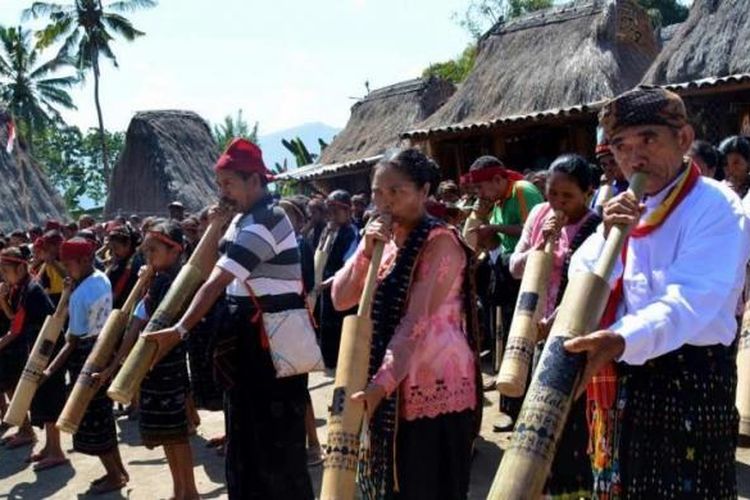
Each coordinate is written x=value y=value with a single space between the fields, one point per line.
x=181 y=330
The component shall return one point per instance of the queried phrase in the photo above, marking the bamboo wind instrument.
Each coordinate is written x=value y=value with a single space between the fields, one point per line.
x=174 y=303
x=470 y=236
x=345 y=417
x=522 y=338
x=527 y=461
x=743 y=373
x=319 y=263
x=606 y=191
x=86 y=387
x=38 y=360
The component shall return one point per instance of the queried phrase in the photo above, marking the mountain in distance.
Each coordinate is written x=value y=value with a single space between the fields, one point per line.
x=275 y=152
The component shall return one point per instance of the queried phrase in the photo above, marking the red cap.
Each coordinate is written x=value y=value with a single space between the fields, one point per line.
x=52 y=225
x=77 y=248
x=243 y=156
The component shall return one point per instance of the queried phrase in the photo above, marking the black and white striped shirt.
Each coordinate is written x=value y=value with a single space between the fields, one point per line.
x=260 y=249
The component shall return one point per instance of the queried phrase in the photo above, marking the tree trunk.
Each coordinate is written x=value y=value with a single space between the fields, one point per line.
x=102 y=137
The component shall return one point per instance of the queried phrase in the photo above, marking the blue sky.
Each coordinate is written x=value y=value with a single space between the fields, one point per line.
x=283 y=62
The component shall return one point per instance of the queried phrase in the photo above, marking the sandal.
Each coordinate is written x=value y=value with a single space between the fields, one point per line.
x=35 y=457
x=50 y=463
x=216 y=442
x=19 y=441
x=105 y=486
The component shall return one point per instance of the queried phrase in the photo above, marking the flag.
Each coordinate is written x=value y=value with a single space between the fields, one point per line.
x=11 y=136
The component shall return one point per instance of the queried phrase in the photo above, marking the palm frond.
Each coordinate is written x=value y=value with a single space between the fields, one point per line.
x=54 y=31
x=59 y=82
x=121 y=26
x=57 y=96
x=49 y=67
x=131 y=5
x=106 y=50
x=42 y=9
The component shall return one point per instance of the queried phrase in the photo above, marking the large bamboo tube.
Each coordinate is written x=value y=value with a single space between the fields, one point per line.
x=472 y=222
x=522 y=338
x=174 y=303
x=345 y=417
x=86 y=387
x=320 y=260
x=38 y=360
x=527 y=461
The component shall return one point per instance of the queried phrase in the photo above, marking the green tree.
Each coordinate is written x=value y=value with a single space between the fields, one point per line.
x=30 y=89
x=74 y=163
x=87 y=29
x=481 y=15
x=234 y=127
x=665 y=12
x=455 y=70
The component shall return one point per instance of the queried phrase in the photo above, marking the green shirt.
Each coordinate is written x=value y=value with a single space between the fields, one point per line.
x=514 y=210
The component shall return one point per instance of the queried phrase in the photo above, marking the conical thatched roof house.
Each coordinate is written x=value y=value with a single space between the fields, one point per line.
x=550 y=67
x=713 y=42
x=168 y=156
x=374 y=126
x=26 y=196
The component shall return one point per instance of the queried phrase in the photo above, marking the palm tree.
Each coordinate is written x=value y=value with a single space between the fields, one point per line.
x=234 y=127
x=28 y=88
x=86 y=29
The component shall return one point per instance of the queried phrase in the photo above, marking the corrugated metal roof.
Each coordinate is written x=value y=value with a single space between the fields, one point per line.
x=706 y=83
x=315 y=171
x=580 y=109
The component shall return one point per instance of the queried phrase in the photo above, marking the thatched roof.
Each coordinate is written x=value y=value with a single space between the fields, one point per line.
x=168 y=156
x=26 y=196
x=375 y=125
x=713 y=42
x=552 y=59
x=377 y=120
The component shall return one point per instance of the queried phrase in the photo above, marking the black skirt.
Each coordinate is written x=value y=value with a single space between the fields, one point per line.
x=680 y=425
x=50 y=397
x=207 y=394
x=163 y=419
x=433 y=456
x=97 y=434
x=265 y=421
x=12 y=360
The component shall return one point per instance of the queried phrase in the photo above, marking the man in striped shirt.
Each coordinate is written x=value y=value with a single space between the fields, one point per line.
x=266 y=454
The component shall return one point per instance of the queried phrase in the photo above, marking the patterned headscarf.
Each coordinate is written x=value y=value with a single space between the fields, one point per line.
x=644 y=105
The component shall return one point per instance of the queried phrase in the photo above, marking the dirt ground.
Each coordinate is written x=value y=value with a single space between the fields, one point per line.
x=150 y=477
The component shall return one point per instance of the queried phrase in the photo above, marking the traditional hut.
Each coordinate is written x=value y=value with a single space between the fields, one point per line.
x=537 y=83
x=26 y=195
x=707 y=61
x=168 y=156
x=374 y=126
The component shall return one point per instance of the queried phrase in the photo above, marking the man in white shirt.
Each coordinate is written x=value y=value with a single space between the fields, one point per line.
x=673 y=427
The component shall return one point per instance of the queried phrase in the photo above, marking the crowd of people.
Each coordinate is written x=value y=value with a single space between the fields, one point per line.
x=658 y=418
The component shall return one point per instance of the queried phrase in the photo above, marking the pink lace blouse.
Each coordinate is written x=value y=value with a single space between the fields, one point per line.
x=531 y=237
x=428 y=358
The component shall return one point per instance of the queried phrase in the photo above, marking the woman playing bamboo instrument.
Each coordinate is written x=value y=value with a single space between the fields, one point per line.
x=567 y=221
x=423 y=360
x=163 y=421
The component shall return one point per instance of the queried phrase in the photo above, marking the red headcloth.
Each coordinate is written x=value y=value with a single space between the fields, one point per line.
x=487 y=174
x=243 y=156
x=77 y=248
x=52 y=225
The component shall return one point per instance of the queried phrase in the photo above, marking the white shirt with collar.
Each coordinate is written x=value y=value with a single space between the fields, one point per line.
x=682 y=281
